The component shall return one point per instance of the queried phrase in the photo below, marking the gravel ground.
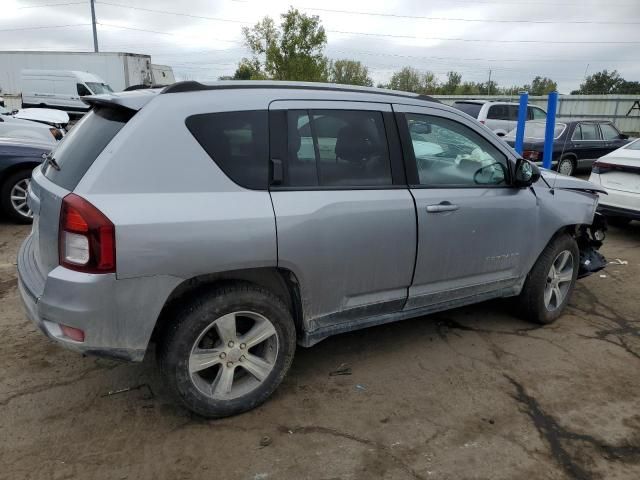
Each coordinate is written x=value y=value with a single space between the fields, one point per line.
x=472 y=393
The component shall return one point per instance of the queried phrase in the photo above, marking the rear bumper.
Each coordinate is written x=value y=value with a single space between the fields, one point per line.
x=116 y=316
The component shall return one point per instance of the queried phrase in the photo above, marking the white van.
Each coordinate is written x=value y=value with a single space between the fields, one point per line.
x=60 y=89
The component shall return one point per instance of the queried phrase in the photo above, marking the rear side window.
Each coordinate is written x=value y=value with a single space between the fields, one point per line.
x=609 y=132
x=337 y=148
x=472 y=109
x=237 y=142
x=499 y=112
x=81 y=146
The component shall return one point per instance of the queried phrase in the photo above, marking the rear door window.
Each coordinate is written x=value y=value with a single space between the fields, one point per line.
x=237 y=142
x=589 y=131
x=337 y=148
x=77 y=151
x=513 y=112
x=609 y=132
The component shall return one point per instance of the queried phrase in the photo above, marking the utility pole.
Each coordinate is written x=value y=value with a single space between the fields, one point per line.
x=489 y=84
x=93 y=23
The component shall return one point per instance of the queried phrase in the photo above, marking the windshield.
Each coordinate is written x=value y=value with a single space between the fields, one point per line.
x=535 y=131
x=98 y=88
x=469 y=108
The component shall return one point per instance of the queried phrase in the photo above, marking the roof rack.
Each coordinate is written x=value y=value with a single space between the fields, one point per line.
x=193 y=86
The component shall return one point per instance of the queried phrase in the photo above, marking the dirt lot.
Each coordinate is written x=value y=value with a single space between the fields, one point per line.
x=468 y=394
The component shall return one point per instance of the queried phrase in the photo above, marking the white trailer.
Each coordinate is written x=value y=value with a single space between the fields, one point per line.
x=119 y=70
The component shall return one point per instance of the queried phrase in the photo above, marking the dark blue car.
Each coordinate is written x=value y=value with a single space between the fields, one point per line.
x=18 y=157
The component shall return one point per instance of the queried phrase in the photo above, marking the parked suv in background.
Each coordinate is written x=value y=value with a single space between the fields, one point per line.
x=231 y=221
x=501 y=117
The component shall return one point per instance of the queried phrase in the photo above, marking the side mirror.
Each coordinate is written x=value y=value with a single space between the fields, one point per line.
x=526 y=173
x=624 y=136
x=493 y=174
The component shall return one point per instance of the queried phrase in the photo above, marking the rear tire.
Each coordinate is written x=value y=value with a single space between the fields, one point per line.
x=13 y=197
x=550 y=282
x=566 y=166
x=226 y=350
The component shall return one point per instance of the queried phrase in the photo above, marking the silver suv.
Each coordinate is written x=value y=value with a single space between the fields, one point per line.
x=230 y=222
x=501 y=117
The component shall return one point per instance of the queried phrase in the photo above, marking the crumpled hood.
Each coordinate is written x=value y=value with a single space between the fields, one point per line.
x=44 y=115
x=557 y=180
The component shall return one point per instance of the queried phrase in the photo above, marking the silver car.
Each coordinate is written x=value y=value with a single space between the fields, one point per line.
x=229 y=222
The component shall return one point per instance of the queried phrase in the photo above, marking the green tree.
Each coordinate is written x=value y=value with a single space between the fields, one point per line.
x=292 y=51
x=247 y=70
x=629 y=88
x=454 y=79
x=409 y=79
x=541 y=86
x=350 y=72
x=601 y=83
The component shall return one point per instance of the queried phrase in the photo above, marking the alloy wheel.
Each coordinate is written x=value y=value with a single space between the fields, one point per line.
x=19 y=195
x=558 y=280
x=233 y=355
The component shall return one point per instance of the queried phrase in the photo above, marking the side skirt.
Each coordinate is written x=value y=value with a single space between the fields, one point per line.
x=311 y=338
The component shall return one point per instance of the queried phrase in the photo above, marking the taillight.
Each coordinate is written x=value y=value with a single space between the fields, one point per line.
x=531 y=155
x=601 y=167
x=86 y=239
x=57 y=134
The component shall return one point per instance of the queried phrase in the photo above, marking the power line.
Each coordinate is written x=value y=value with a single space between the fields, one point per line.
x=421 y=17
x=162 y=33
x=376 y=14
x=52 y=5
x=166 y=12
x=44 y=27
x=343 y=32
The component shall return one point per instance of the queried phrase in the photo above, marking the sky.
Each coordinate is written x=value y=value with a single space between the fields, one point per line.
x=515 y=40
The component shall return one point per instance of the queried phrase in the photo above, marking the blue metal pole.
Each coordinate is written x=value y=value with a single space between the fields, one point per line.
x=552 y=106
x=522 y=118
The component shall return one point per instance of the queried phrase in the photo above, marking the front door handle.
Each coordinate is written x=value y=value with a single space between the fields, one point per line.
x=442 y=207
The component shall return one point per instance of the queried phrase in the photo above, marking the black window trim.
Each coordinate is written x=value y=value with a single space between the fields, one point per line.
x=411 y=165
x=394 y=145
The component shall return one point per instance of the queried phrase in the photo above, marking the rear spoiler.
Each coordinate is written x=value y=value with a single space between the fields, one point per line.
x=133 y=100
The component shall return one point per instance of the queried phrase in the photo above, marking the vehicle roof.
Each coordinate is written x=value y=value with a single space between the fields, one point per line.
x=482 y=102
x=84 y=76
x=136 y=99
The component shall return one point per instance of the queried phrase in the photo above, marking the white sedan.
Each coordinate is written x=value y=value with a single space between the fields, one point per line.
x=619 y=173
x=41 y=124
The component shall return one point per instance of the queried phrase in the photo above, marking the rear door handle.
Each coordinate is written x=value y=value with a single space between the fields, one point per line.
x=442 y=207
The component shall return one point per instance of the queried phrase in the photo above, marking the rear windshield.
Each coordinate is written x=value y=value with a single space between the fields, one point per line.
x=77 y=151
x=472 y=109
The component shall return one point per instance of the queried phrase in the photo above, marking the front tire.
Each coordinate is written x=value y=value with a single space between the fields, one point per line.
x=13 y=197
x=227 y=350
x=550 y=282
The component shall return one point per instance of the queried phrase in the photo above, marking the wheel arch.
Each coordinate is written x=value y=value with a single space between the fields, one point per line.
x=281 y=282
